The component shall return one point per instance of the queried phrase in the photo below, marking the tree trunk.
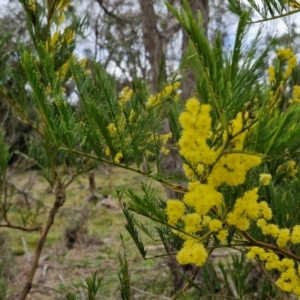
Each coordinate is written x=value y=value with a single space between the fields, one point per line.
x=153 y=44
x=188 y=86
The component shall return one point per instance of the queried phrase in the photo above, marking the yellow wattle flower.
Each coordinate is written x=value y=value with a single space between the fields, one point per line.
x=265 y=179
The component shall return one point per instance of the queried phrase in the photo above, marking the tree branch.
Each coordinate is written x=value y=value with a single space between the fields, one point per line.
x=21 y=227
x=110 y=13
x=60 y=198
x=173 y=27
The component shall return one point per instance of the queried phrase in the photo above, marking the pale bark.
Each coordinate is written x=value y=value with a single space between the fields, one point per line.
x=153 y=44
x=188 y=85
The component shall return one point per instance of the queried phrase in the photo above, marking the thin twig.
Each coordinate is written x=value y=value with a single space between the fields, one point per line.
x=263 y=245
x=160 y=255
x=5 y=206
x=111 y=14
x=175 y=187
x=150 y=294
x=276 y=17
x=21 y=227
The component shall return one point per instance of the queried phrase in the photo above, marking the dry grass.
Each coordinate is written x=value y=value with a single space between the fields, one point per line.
x=98 y=242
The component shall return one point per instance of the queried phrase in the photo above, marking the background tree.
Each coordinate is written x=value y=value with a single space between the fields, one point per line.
x=15 y=22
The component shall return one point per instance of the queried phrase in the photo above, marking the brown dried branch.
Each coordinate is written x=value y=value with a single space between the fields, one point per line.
x=60 y=198
x=24 y=189
x=5 y=207
x=9 y=225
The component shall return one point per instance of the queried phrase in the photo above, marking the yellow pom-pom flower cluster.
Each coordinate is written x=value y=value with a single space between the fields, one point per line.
x=196 y=124
x=237 y=132
x=287 y=55
x=192 y=223
x=289 y=279
x=192 y=252
x=125 y=96
x=246 y=209
x=202 y=197
x=293 y=3
x=292 y=168
x=154 y=101
x=208 y=168
x=175 y=210
x=296 y=95
x=232 y=169
x=118 y=157
x=272 y=74
x=32 y=5
x=282 y=236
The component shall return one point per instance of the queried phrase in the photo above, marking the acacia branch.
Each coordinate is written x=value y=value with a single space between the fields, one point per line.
x=276 y=17
x=174 y=186
x=263 y=245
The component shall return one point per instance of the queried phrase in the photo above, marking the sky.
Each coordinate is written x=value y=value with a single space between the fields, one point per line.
x=270 y=28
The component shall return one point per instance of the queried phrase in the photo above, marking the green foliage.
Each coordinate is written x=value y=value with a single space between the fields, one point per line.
x=130 y=226
x=4 y=56
x=3 y=157
x=279 y=132
x=40 y=76
x=40 y=102
x=124 y=275
x=70 y=296
x=229 y=83
x=92 y=286
x=134 y=123
x=267 y=9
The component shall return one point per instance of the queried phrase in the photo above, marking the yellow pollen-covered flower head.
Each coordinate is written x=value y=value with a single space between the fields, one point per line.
x=192 y=252
x=175 y=210
x=265 y=179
